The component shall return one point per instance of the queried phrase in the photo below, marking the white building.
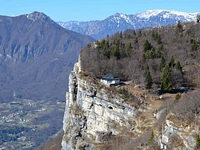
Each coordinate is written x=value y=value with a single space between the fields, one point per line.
x=110 y=79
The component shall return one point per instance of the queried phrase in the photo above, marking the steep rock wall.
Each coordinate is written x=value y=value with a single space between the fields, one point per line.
x=92 y=113
x=178 y=134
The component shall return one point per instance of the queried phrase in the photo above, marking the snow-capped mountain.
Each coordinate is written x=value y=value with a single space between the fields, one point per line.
x=121 y=22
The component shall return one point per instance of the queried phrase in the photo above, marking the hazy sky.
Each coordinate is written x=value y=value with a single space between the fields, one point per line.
x=85 y=10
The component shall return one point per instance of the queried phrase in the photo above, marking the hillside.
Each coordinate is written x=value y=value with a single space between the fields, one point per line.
x=99 y=29
x=155 y=106
x=36 y=55
x=129 y=54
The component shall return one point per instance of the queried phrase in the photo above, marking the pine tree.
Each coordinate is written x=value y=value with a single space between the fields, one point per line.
x=194 y=46
x=134 y=33
x=158 y=54
x=197 y=141
x=153 y=53
x=166 y=81
x=160 y=47
x=121 y=35
x=179 y=27
x=178 y=66
x=148 y=78
x=147 y=46
x=162 y=63
x=159 y=40
x=129 y=49
x=171 y=63
x=153 y=34
x=136 y=40
x=128 y=36
x=139 y=33
x=117 y=53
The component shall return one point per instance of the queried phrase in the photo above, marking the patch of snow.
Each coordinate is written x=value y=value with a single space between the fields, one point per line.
x=126 y=18
x=187 y=16
x=149 y=13
x=167 y=14
x=8 y=56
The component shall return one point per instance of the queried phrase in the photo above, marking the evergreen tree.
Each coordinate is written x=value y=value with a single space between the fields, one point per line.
x=158 y=54
x=129 y=49
x=148 y=78
x=160 y=47
x=153 y=34
x=147 y=46
x=156 y=36
x=178 y=66
x=153 y=53
x=197 y=141
x=136 y=40
x=162 y=63
x=117 y=53
x=134 y=33
x=121 y=35
x=159 y=40
x=179 y=27
x=166 y=81
x=171 y=63
x=194 y=46
x=140 y=33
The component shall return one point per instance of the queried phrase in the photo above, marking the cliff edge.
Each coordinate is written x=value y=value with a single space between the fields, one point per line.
x=93 y=114
x=99 y=117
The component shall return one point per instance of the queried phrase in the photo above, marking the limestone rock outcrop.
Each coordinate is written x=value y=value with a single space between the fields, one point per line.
x=92 y=114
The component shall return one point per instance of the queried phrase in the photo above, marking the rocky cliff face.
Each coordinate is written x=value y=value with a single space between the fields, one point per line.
x=95 y=115
x=92 y=113
x=178 y=134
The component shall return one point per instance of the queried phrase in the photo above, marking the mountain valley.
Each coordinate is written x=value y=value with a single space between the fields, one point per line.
x=155 y=54
x=36 y=56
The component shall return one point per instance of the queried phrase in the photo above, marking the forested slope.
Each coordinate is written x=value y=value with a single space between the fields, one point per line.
x=160 y=57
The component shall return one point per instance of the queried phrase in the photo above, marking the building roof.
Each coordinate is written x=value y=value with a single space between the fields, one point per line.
x=110 y=76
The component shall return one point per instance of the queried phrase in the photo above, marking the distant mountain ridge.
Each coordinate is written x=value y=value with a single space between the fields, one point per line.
x=120 y=22
x=36 y=55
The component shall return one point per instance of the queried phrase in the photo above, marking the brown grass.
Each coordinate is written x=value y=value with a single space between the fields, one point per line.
x=53 y=143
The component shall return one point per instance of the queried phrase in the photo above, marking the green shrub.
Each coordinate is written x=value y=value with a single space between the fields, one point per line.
x=177 y=97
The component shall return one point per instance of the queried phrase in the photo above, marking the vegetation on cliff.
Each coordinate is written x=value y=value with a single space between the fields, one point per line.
x=171 y=54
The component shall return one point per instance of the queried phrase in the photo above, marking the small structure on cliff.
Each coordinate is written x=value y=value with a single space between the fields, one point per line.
x=198 y=18
x=110 y=79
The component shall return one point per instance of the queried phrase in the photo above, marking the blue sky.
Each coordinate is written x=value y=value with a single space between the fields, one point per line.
x=85 y=10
